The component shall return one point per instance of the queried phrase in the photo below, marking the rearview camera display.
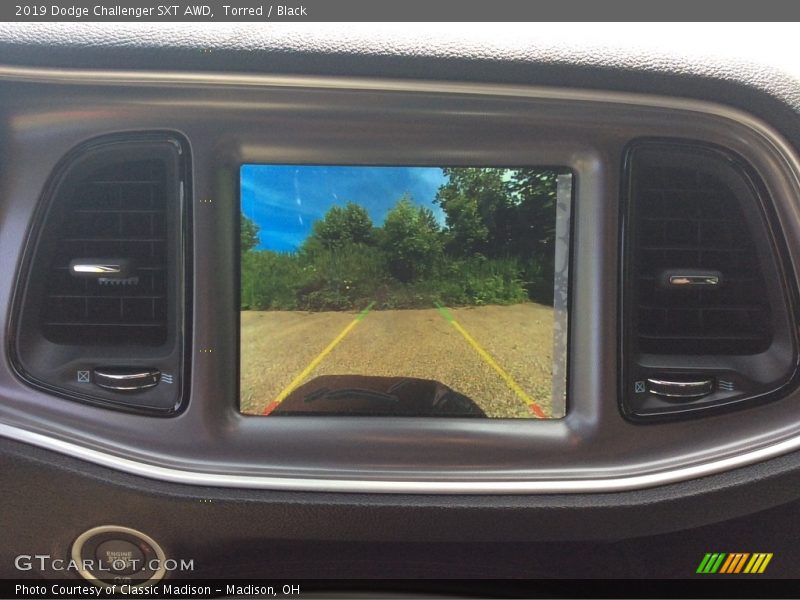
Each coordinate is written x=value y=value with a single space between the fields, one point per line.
x=404 y=291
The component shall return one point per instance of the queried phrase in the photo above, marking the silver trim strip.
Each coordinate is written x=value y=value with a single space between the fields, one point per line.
x=177 y=78
x=612 y=484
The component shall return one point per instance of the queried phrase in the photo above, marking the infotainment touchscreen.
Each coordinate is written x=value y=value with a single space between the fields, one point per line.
x=404 y=291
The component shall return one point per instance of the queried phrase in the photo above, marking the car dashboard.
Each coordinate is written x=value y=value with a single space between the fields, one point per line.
x=120 y=418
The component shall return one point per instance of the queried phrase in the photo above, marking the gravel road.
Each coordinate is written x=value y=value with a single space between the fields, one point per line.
x=278 y=345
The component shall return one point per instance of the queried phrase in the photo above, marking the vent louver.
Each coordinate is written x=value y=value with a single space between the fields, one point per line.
x=117 y=211
x=689 y=218
x=706 y=311
x=101 y=308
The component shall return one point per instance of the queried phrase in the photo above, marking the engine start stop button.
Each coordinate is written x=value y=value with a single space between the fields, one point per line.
x=112 y=554
x=121 y=557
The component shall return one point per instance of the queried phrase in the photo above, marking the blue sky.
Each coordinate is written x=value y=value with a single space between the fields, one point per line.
x=285 y=200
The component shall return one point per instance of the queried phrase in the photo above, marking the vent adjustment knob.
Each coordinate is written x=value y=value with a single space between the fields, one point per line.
x=676 y=390
x=126 y=379
x=119 y=268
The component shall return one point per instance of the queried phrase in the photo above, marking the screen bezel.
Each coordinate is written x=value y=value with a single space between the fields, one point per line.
x=497 y=132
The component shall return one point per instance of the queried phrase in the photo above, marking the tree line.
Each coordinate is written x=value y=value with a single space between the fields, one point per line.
x=496 y=247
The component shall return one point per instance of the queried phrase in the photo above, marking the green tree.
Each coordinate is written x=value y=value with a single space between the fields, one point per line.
x=532 y=230
x=249 y=234
x=411 y=240
x=341 y=226
x=477 y=207
x=504 y=213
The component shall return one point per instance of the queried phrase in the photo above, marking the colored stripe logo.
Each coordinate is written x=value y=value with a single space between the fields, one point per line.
x=734 y=563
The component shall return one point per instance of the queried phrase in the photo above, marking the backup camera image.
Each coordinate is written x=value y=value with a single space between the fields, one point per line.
x=404 y=291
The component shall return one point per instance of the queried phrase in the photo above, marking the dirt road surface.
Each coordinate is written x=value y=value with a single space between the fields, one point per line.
x=278 y=345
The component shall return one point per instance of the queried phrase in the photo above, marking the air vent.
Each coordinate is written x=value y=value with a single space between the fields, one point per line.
x=117 y=212
x=102 y=307
x=689 y=223
x=706 y=318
